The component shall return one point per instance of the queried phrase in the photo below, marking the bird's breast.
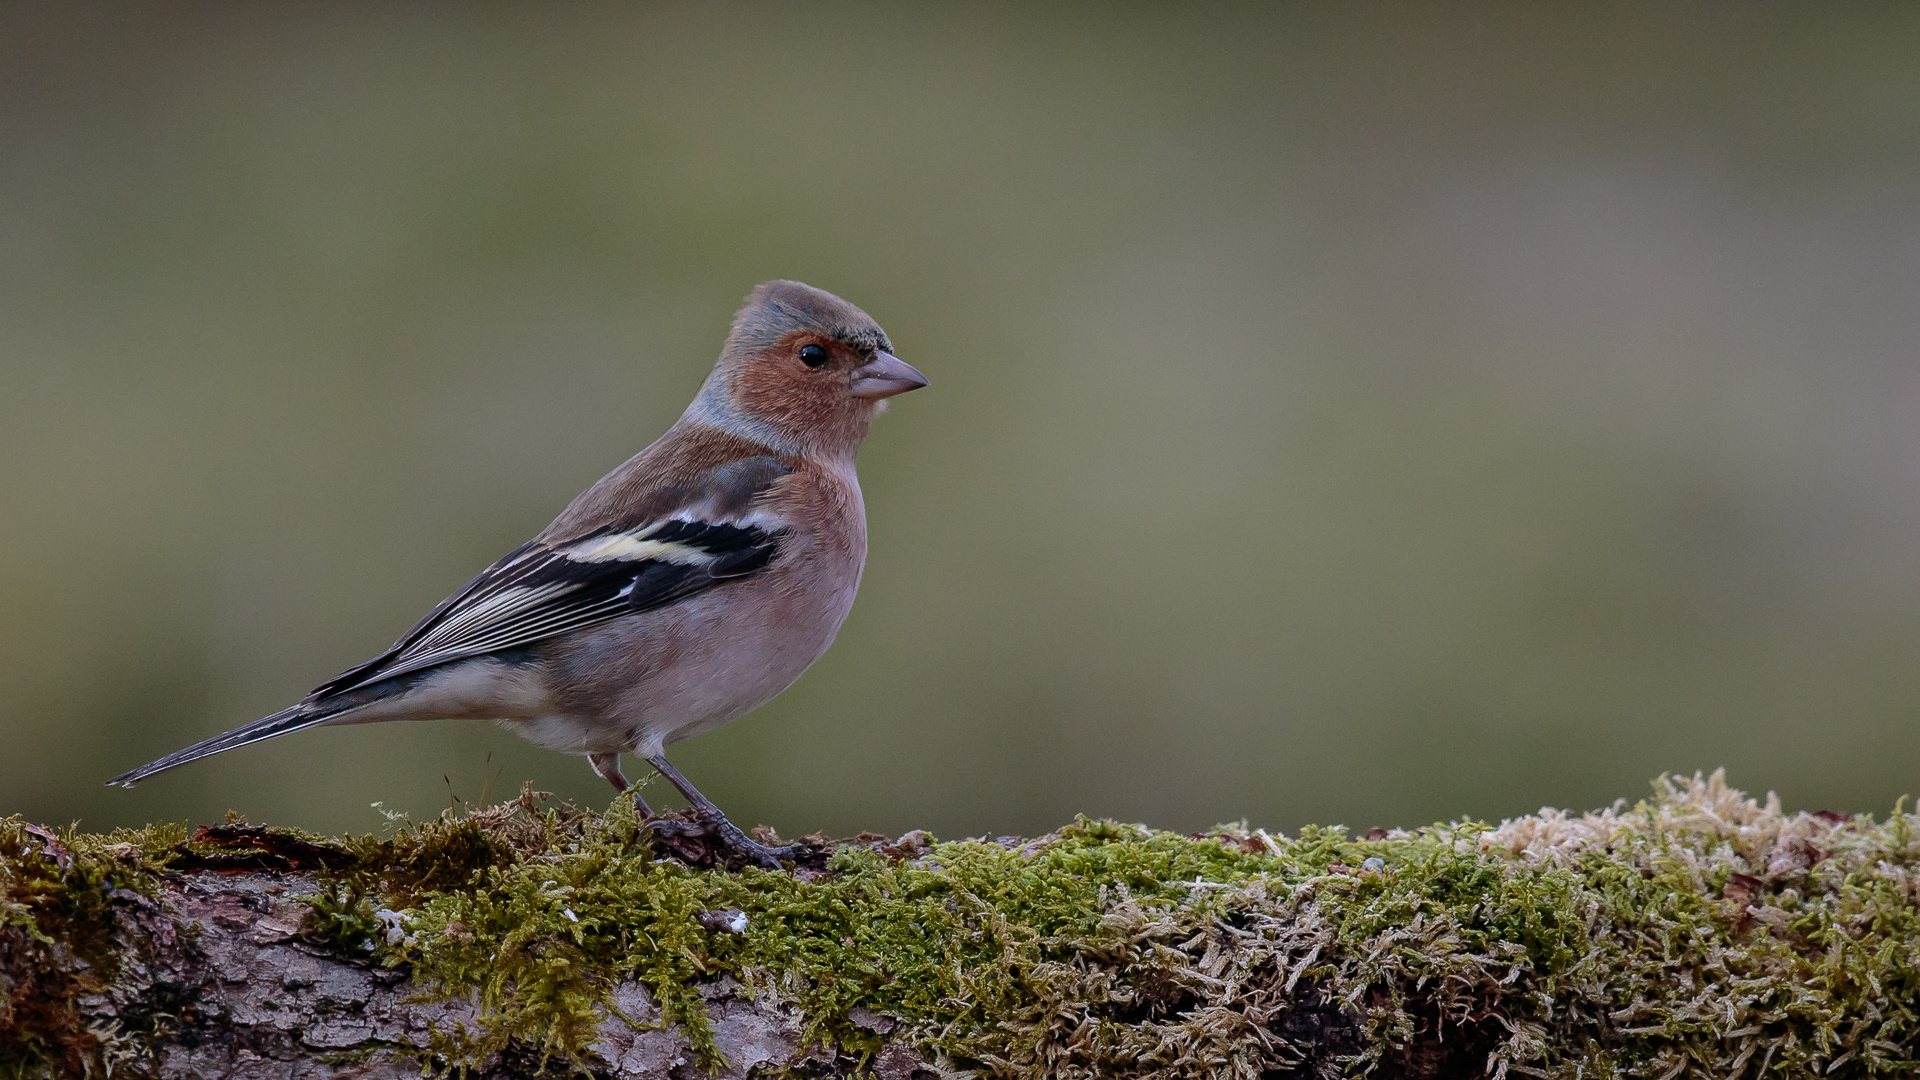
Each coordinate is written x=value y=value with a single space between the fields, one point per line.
x=667 y=674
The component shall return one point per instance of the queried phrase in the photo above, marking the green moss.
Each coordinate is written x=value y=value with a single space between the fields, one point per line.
x=57 y=942
x=1698 y=929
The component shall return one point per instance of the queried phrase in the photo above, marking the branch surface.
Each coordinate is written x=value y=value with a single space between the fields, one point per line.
x=1699 y=931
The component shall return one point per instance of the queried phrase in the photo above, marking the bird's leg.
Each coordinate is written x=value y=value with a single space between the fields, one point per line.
x=714 y=823
x=608 y=766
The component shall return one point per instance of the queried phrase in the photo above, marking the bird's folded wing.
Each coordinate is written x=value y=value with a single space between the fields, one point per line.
x=545 y=589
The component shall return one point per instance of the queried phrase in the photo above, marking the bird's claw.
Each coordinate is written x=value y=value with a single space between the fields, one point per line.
x=729 y=837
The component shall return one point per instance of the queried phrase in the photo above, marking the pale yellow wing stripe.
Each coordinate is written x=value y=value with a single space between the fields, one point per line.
x=503 y=606
x=634 y=547
x=548 y=589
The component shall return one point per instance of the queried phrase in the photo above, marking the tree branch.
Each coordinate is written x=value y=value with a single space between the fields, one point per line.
x=1698 y=930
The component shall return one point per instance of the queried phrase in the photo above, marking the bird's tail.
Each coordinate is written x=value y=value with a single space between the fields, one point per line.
x=301 y=716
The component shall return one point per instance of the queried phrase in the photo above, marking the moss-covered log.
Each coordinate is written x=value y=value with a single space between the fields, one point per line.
x=1699 y=932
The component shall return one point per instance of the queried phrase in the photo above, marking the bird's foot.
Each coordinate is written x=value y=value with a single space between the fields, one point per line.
x=734 y=845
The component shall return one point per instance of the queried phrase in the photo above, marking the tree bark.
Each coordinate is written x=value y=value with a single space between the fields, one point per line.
x=1699 y=933
x=231 y=989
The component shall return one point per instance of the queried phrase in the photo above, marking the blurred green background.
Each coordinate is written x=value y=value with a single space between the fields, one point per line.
x=1340 y=413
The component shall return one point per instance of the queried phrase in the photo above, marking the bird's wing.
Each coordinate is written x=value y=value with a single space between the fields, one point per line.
x=553 y=586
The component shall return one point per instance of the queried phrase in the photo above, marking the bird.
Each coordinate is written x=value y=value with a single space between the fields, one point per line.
x=685 y=588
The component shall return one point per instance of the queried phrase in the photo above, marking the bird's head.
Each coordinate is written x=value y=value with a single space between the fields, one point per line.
x=803 y=371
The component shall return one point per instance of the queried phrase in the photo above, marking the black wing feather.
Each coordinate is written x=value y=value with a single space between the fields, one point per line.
x=537 y=592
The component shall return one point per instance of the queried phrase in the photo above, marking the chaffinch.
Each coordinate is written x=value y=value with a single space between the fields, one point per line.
x=685 y=588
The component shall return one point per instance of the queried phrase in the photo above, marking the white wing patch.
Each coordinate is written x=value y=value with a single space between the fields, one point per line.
x=637 y=545
x=634 y=547
x=544 y=590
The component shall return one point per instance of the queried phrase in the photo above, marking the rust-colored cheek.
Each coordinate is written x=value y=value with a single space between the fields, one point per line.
x=811 y=405
x=768 y=391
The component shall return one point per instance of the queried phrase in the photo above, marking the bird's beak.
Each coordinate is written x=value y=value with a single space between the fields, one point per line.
x=884 y=376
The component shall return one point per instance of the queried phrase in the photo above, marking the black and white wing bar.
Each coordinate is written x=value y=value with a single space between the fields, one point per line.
x=540 y=592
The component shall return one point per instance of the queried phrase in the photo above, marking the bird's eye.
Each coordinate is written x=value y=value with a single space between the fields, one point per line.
x=813 y=355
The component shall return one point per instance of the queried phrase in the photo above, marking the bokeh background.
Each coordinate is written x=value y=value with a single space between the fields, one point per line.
x=1340 y=413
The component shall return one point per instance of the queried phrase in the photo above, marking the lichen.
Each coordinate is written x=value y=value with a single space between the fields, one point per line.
x=1699 y=929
